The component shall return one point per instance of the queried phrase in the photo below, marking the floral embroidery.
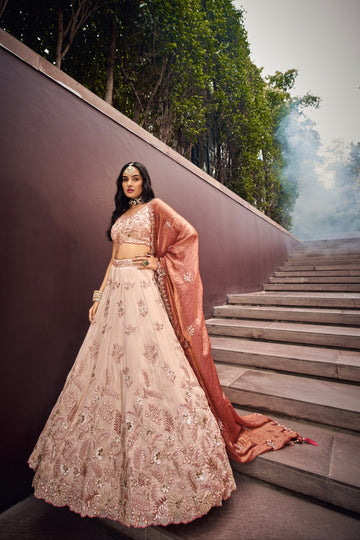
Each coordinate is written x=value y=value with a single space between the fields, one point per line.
x=151 y=353
x=142 y=308
x=188 y=276
x=127 y=377
x=64 y=469
x=105 y=328
x=117 y=422
x=157 y=458
x=171 y=375
x=99 y=453
x=113 y=284
x=178 y=347
x=117 y=352
x=129 y=285
x=94 y=350
x=200 y=476
x=120 y=442
x=187 y=418
x=158 y=326
x=121 y=309
x=271 y=444
x=190 y=330
x=129 y=330
x=133 y=229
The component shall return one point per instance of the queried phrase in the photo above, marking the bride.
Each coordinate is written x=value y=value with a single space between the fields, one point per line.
x=141 y=431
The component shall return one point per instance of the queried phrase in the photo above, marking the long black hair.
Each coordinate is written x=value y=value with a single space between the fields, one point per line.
x=122 y=201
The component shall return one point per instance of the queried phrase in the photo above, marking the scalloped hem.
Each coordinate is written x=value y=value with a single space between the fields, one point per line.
x=152 y=524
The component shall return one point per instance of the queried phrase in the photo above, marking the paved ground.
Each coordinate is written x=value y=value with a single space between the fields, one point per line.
x=256 y=511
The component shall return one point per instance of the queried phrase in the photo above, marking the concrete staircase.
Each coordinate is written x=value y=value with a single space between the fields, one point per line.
x=292 y=351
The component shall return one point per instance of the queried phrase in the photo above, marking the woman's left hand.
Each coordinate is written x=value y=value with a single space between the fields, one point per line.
x=146 y=261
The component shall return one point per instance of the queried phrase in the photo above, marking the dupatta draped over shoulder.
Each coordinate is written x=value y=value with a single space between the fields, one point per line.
x=175 y=244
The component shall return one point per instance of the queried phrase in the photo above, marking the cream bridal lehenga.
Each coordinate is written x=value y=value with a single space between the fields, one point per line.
x=142 y=430
x=132 y=437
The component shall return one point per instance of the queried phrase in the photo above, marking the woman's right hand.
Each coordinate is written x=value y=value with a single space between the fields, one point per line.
x=92 y=311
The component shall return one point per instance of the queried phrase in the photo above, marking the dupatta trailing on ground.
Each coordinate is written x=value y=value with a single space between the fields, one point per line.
x=175 y=244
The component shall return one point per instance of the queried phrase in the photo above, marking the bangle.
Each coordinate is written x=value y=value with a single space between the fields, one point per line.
x=97 y=295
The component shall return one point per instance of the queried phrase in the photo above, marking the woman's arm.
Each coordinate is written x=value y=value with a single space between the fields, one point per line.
x=95 y=305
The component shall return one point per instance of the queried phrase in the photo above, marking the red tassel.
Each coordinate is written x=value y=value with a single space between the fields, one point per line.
x=305 y=439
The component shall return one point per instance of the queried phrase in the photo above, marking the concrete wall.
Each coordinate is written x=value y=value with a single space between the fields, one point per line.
x=61 y=149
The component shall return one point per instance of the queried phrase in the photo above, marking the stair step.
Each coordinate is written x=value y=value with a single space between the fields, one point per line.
x=324 y=316
x=348 y=241
x=326 y=300
x=317 y=273
x=327 y=258
x=325 y=402
x=329 y=472
x=326 y=287
x=314 y=361
x=314 y=279
x=328 y=336
x=345 y=262
x=260 y=502
x=350 y=246
x=288 y=267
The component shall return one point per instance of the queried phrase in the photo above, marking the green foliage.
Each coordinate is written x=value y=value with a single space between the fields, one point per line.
x=183 y=72
x=345 y=167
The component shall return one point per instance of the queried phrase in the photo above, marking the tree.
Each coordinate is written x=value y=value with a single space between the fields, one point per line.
x=182 y=70
x=343 y=163
x=71 y=16
x=3 y=4
x=50 y=26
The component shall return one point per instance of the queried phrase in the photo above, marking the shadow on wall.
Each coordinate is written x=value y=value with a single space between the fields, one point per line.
x=60 y=156
x=41 y=333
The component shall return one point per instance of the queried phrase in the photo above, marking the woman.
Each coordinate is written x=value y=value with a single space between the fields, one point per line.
x=138 y=433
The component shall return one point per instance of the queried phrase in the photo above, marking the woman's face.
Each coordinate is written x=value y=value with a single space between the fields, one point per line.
x=132 y=182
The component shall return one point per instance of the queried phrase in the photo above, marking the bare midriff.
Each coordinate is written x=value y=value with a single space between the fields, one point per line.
x=129 y=251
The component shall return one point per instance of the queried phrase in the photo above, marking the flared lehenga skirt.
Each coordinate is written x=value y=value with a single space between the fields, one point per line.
x=132 y=437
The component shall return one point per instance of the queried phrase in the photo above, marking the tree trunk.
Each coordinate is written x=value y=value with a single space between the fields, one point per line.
x=110 y=66
x=137 y=111
x=60 y=37
x=2 y=6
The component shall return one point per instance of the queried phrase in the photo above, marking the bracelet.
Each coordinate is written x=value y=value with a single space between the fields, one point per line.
x=97 y=295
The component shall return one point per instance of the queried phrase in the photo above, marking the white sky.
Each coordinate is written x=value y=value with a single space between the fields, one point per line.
x=320 y=38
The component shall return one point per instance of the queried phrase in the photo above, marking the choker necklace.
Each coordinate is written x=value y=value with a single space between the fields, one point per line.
x=134 y=202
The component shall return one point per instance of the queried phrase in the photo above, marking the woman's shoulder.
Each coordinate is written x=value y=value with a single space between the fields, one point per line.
x=161 y=206
x=167 y=213
x=156 y=201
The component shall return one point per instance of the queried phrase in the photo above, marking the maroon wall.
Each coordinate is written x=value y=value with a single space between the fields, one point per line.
x=60 y=154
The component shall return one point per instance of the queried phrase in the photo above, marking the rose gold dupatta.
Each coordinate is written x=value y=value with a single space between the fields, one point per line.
x=175 y=243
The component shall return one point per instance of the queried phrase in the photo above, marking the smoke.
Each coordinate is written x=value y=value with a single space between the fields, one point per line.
x=327 y=181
